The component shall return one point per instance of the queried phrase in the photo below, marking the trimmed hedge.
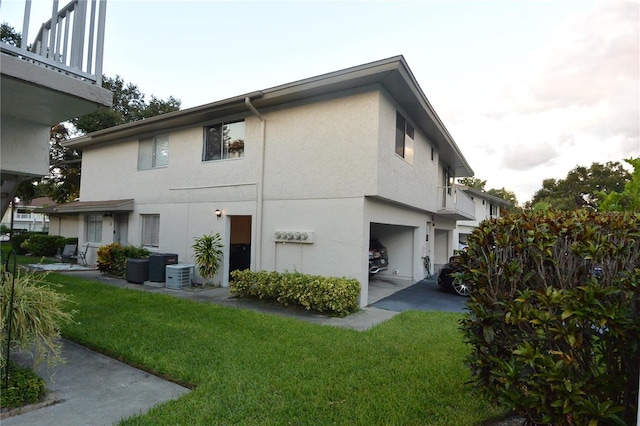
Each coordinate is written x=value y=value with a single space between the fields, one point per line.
x=112 y=258
x=323 y=294
x=18 y=238
x=554 y=320
x=43 y=245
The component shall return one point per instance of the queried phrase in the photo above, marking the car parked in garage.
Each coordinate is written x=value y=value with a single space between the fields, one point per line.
x=378 y=257
x=448 y=280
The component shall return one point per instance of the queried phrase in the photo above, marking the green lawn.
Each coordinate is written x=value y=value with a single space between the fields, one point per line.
x=5 y=247
x=250 y=368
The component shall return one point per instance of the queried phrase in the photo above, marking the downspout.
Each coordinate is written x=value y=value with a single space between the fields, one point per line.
x=260 y=186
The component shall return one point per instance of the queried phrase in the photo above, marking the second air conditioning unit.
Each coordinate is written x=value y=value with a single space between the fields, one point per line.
x=180 y=275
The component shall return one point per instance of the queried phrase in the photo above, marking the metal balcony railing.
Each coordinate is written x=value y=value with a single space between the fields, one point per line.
x=454 y=201
x=65 y=43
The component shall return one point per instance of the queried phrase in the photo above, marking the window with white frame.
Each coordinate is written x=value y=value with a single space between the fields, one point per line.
x=93 y=229
x=224 y=140
x=150 y=230
x=153 y=153
x=404 y=138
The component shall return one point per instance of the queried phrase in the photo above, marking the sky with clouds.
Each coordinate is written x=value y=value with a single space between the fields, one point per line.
x=528 y=89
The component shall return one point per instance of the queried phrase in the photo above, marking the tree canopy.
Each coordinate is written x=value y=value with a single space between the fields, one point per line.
x=582 y=188
x=9 y=35
x=505 y=194
x=129 y=105
x=473 y=182
x=629 y=198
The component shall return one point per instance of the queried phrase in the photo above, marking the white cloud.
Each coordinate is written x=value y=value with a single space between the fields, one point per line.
x=528 y=157
x=572 y=102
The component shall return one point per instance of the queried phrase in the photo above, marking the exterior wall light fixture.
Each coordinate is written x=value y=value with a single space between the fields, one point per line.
x=218 y=213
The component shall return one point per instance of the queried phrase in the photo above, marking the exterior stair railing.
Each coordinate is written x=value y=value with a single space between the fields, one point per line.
x=64 y=43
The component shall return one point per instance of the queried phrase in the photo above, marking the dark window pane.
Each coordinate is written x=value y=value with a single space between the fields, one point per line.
x=400 y=126
x=212 y=143
x=410 y=131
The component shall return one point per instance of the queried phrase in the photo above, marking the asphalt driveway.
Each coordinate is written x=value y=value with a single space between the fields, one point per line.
x=424 y=295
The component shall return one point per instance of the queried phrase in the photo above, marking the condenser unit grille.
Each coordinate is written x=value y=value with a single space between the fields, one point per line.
x=178 y=276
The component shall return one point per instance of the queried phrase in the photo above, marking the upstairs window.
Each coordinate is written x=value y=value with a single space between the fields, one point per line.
x=404 y=138
x=153 y=153
x=224 y=140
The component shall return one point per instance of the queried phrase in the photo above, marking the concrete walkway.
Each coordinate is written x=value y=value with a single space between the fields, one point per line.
x=93 y=389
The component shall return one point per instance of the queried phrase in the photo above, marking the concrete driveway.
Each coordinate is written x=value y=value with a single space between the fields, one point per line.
x=425 y=295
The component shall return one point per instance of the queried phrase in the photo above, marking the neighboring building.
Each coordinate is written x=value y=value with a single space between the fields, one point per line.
x=28 y=216
x=297 y=177
x=486 y=206
x=58 y=79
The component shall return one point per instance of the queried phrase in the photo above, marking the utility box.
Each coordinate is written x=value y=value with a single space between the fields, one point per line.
x=157 y=264
x=137 y=270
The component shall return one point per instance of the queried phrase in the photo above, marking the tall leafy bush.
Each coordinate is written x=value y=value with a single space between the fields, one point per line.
x=112 y=258
x=207 y=252
x=554 y=320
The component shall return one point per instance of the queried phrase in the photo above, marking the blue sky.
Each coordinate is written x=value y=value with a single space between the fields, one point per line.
x=528 y=89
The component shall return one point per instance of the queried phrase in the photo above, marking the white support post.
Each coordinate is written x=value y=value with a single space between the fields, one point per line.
x=25 y=24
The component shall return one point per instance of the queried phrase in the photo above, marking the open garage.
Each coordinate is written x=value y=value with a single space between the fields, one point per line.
x=399 y=241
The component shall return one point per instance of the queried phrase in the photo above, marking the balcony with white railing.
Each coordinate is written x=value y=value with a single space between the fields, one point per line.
x=71 y=41
x=455 y=204
x=48 y=78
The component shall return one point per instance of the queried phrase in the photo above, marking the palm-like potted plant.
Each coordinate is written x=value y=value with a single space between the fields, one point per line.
x=208 y=255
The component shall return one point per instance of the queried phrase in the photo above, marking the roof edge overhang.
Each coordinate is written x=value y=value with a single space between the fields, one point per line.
x=487 y=196
x=393 y=74
x=77 y=207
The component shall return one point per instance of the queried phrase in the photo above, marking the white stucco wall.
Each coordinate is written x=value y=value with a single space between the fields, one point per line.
x=24 y=148
x=413 y=184
x=322 y=149
x=337 y=240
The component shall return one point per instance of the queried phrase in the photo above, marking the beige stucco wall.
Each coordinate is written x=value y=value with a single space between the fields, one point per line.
x=66 y=226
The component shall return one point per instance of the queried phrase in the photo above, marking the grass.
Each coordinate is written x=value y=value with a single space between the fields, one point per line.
x=5 y=247
x=250 y=368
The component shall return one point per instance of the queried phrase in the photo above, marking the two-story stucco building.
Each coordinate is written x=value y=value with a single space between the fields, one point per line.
x=298 y=177
x=28 y=216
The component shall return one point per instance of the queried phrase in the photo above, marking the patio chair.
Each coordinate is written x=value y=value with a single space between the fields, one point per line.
x=69 y=252
x=82 y=255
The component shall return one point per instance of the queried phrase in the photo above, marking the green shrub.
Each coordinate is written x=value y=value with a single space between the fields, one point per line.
x=112 y=258
x=43 y=245
x=18 y=239
x=554 y=320
x=23 y=387
x=207 y=252
x=323 y=294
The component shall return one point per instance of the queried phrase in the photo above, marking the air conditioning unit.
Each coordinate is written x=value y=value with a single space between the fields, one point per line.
x=178 y=276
